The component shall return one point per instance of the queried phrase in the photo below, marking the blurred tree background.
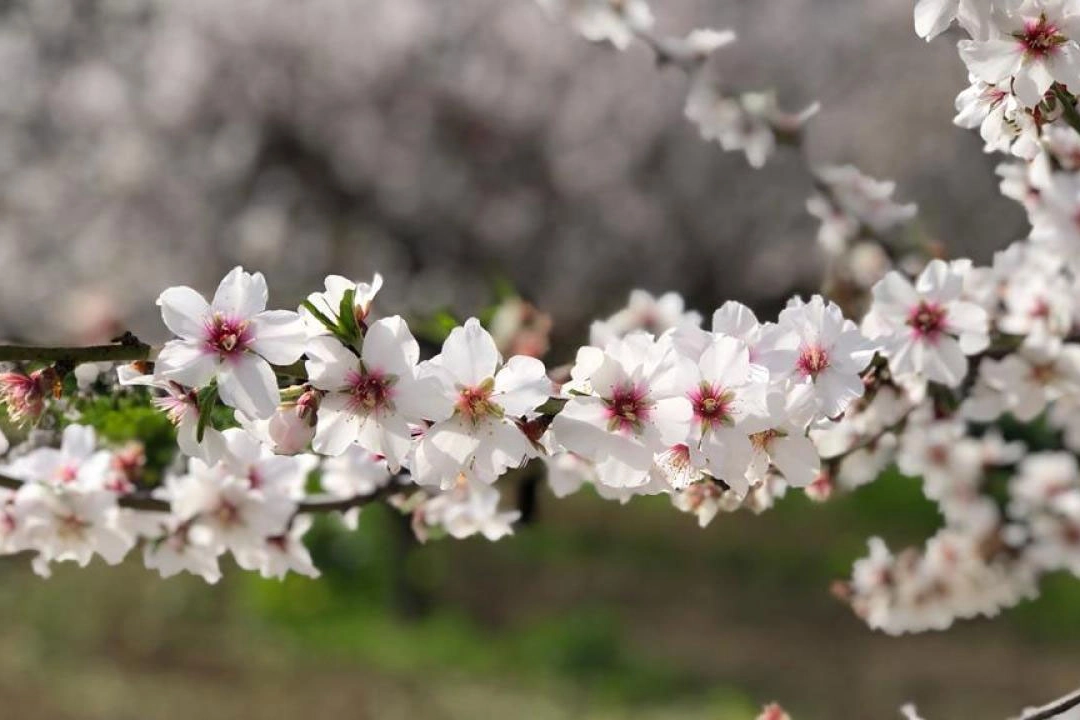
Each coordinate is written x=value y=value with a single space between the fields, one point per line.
x=150 y=143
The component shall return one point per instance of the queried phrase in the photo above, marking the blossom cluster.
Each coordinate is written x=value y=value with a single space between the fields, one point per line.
x=280 y=414
x=656 y=404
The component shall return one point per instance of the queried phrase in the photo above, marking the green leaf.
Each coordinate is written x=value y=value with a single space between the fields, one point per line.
x=207 y=400
x=318 y=315
x=347 y=326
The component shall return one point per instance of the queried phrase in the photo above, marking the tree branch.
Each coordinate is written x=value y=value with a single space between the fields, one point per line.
x=127 y=349
x=72 y=356
x=1054 y=709
x=144 y=500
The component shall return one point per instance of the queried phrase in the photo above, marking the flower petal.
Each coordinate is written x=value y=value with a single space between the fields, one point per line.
x=240 y=295
x=249 y=385
x=184 y=312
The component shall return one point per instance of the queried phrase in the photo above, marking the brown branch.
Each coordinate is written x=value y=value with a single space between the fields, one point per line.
x=144 y=500
x=72 y=356
x=1053 y=709
x=127 y=349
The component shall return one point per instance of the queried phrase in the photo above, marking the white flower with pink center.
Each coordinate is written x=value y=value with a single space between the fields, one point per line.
x=372 y=398
x=77 y=463
x=1034 y=47
x=724 y=396
x=814 y=345
x=486 y=402
x=627 y=404
x=224 y=510
x=927 y=329
x=246 y=457
x=66 y=523
x=234 y=339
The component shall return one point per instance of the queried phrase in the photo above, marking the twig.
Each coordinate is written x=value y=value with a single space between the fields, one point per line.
x=129 y=349
x=1054 y=709
x=144 y=500
x=72 y=356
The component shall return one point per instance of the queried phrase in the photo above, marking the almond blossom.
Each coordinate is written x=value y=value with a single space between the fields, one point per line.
x=813 y=344
x=371 y=399
x=726 y=403
x=233 y=339
x=1034 y=47
x=626 y=404
x=482 y=402
x=927 y=329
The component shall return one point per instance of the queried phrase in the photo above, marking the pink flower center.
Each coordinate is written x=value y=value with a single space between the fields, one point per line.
x=474 y=403
x=178 y=403
x=25 y=394
x=228 y=337
x=1040 y=309
x=628 y=408
x=712 y=405
x=371 y=391
x=1040 y=37
x=813 y=360
x=927 y=320
x=71 y=526
x=227 y=514
x=762 y=441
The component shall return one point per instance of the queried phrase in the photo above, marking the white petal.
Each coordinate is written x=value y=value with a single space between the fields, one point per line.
x=240 y=295
x=329 y=363
x=993 y=60
x=469 y=354
x=726 y=362
x=390 y=347
x=521 y=386
x=944 y=362
x=249 y=385
x=279 y=336
x=932 y=17
x=796 y=458
x=335 y=428
x=184 y=312
x=187 y=363
x=422 y=399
